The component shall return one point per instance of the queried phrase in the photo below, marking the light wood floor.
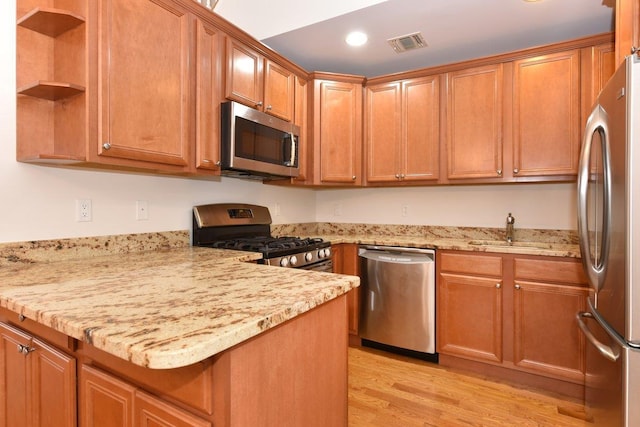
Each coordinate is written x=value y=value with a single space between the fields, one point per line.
x=387 y=390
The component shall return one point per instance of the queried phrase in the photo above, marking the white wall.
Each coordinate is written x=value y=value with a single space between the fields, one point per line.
x=547 y=206
x=38 y=202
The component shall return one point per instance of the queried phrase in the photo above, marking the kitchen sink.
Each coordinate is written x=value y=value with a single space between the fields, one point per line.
x=504 y=244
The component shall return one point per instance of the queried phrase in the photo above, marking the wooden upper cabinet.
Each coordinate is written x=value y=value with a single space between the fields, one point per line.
x=402 y=130
x=546 y=115
x=244 y=74
x=421 y=128
x=337 y=133
x=383 y=133
x=258 y=82
x=300 y=118
x=208 y=97
x=145 y=81
x=627 y=28
x=597 y=66
x=474 y=117
x=279 y=91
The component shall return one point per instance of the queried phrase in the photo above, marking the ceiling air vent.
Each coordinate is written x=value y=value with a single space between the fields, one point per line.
x=408 y=42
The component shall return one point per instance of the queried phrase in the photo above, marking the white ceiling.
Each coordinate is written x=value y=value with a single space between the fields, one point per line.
x=312 y=34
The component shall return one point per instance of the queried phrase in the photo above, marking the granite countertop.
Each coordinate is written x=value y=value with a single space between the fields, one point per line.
x=165 y=308
x=540 y=248
x=541 y=242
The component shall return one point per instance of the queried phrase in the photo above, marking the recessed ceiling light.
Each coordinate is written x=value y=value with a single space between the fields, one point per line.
x=356 y=38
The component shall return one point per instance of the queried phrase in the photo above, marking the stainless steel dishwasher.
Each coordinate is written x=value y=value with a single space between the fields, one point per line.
x=398 y=297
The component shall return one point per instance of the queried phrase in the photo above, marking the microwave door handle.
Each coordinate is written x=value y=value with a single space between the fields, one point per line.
x=595 y=269
x=292 y=156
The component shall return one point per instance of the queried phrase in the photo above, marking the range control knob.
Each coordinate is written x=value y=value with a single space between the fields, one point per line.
x=308 y=257
x=284 y=262
x=327 y=252
x=293 y=260
x=321 y=254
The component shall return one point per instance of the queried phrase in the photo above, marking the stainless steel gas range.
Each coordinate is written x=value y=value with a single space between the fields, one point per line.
x=247 y=227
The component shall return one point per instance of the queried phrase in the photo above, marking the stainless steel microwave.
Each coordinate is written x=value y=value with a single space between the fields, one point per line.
x=255 y=144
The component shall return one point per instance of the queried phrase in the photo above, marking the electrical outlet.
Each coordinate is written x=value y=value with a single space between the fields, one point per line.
x=337 y=209
x=142 y=210
x=83 y=210
x=405 y=210
x=276 y=209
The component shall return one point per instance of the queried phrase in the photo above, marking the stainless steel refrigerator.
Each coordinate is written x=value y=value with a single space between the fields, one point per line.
x=609 y=229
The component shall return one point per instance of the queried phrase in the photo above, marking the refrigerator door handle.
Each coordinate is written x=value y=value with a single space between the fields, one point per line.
x=612 y=354
x=594 y=268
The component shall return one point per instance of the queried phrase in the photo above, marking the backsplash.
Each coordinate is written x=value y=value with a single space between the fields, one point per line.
x=439 y=232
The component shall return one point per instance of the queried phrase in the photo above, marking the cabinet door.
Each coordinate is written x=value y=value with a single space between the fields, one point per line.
x=208 y=98
x=53 y=386
x=346 y=261
x=278 y=91
x=301 y=97
x=14 y=378
x=152 y=412
x=547 y=339
x=546 y=115
x=421 y=128
x=144 y=63
x=37 y=388
x=105 y=401
x=474 y=122
x=244 y=74
x=627 y=28
x=470 y=317
x=338 y=133
x=383 y=132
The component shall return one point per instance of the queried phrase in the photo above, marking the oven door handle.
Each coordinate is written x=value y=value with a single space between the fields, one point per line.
x=612 y=354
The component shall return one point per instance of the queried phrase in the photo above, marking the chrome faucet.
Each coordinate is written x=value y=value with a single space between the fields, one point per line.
x=510 y=221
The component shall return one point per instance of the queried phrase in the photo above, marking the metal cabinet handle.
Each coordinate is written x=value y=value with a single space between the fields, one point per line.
x=498 y=285
x=397 y=176
x=106 y=146
x=25 y=349
x=269 y=107
x=499 y=172
x=218 y=163
x=259 y=104
x=353 y=177
x=401 y=176
x=517 y=287
x=515 y=171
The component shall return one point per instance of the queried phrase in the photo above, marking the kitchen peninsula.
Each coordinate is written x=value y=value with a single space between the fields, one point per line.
x=188 y=335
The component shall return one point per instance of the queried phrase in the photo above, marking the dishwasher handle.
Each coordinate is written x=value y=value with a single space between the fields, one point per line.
x=398 y=255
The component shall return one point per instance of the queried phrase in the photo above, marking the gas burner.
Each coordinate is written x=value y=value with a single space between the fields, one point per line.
x=246 y=227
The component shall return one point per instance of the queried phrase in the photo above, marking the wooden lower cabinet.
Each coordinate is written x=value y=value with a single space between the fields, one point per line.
x=345 y=261
x=107 y=401
x=512 y=312
x=294 y=374
x=37 y=382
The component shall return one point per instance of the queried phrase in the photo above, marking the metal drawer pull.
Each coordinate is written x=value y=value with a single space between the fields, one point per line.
x=608 y=352
x=25 y=349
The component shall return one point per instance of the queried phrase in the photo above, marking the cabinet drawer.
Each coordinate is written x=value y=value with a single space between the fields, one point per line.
x=568 y=272
x=483 y=265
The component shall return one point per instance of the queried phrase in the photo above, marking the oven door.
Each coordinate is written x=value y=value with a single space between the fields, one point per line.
x=325 y=266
